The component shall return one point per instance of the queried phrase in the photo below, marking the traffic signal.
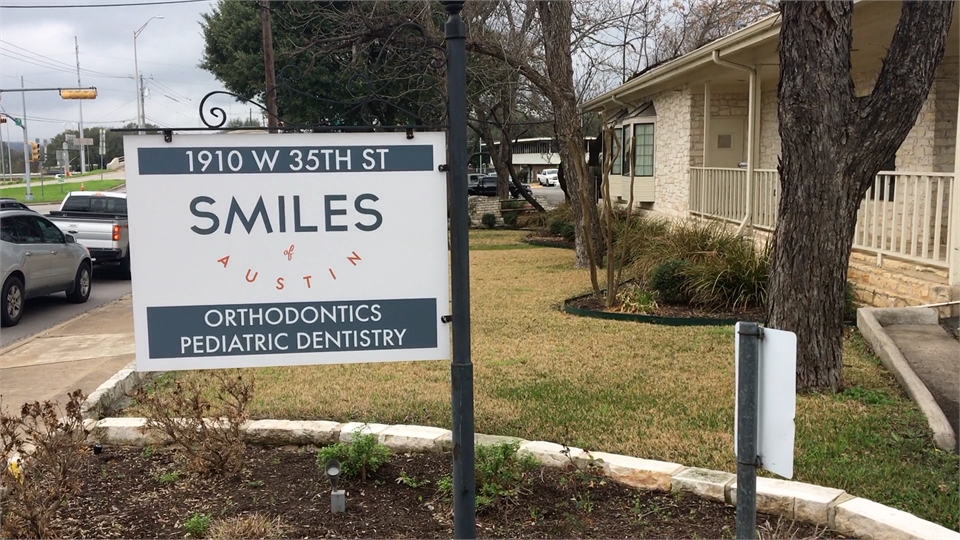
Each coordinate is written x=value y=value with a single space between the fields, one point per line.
x=78 y=93
x=34 y=152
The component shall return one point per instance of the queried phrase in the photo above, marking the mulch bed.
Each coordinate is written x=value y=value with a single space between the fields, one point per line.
x=548 y=241
x=680 y=311
x=123 y=497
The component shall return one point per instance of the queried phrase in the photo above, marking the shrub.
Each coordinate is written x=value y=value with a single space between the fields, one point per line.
x=360 y=456
x=207 y=432
x=197 y=525
x=669 y=281
x=732 y=278
x=563 y=229
x=500 y=473
x=489 y=221
x=634 y=299
x=249 y=526
x=532 y=220
x=510 y=219
x=656 y=241
x=36 y=485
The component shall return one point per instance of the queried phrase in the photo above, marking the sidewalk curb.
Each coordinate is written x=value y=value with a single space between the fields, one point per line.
x=868 y=321
x=833 y=508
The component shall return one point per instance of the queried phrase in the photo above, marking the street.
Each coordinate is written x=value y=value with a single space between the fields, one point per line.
x=554 y=194
x=47 y=311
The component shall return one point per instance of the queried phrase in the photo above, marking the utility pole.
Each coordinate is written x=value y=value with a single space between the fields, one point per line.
x=26 y=146
x=143 y=112
x=268 y=67
x=83 y=157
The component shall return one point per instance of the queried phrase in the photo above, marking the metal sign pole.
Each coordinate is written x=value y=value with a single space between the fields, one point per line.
x=461 y=369
x=748 y=363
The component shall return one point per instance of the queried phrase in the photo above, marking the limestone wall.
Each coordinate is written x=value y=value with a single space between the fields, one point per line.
x=945 y=91
x=672 y=150
x=769 y=131
x=479 y=205
x=722 y=105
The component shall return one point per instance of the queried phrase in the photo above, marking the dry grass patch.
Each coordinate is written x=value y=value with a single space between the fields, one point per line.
x=651 y=391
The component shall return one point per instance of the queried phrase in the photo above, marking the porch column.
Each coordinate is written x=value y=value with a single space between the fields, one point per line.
x=751 y=155
x=706 y=122
x=953 y=222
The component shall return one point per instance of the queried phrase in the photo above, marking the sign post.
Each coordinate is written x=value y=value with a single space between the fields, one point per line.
x=766 y=394
x=464 y=478
x=301 y=249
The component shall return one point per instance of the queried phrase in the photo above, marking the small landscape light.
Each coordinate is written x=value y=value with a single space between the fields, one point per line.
x=332 y=469
x=338 y=498
x=97 y=449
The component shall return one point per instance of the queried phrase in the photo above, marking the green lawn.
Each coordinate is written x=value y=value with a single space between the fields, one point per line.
x=650 y=391
x=53 y=192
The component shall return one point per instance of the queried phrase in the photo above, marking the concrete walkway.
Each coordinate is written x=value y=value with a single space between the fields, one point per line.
x=81 y=353
x=935 y=358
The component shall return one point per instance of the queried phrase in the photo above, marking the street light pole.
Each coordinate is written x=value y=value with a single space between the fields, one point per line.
x=136 y=75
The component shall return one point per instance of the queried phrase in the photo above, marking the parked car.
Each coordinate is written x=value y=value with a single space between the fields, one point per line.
x=487 y=186
x=549 y=177
x=99 y=222
x=12 y=204
x=37 y=259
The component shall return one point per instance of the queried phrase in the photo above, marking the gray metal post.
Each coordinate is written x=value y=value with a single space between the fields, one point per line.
x=748 y=375
x=9 y=158
x=26 y=146
x=461 y=369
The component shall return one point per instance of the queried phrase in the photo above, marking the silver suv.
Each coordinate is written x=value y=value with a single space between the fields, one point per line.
x=37 y=259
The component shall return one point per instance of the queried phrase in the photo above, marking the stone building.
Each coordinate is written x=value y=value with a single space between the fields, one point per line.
x=704 y=137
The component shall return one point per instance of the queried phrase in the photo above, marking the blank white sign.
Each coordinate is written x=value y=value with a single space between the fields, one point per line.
x=777 y=403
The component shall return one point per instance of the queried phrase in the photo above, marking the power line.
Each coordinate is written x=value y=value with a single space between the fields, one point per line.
x=129 y=4
x=53 y=63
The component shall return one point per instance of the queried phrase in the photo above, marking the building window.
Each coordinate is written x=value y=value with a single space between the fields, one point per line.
x=625 y=150
x=617 y=160
x=643 y=149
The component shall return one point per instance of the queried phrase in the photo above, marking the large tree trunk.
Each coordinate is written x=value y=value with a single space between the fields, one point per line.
x=833 y=144
x=556 y=20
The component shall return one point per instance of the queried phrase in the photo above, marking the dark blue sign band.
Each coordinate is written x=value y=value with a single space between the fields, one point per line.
x=284 y=159
x=286 y=328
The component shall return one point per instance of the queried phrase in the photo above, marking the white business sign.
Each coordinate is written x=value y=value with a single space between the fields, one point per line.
x=777 y=399
x=265 y=250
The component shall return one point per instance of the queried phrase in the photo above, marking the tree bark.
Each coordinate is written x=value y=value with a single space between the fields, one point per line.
x=832 y=145
x=556 y=20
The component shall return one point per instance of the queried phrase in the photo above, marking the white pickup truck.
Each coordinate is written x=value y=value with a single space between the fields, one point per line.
x=98 y=220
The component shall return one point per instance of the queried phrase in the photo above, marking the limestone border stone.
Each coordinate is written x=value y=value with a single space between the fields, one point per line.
x=824 y=506
x=108 y=396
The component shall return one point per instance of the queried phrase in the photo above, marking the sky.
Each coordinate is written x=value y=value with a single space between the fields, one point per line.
x=38 y=44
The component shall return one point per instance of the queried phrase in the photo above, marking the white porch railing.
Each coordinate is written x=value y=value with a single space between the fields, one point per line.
x=904 y=214
x=722 y=194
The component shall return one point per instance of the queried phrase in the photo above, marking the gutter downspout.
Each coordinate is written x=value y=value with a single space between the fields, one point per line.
x=751 y=120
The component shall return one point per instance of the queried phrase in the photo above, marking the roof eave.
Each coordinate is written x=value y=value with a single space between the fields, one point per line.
x=759 y=31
